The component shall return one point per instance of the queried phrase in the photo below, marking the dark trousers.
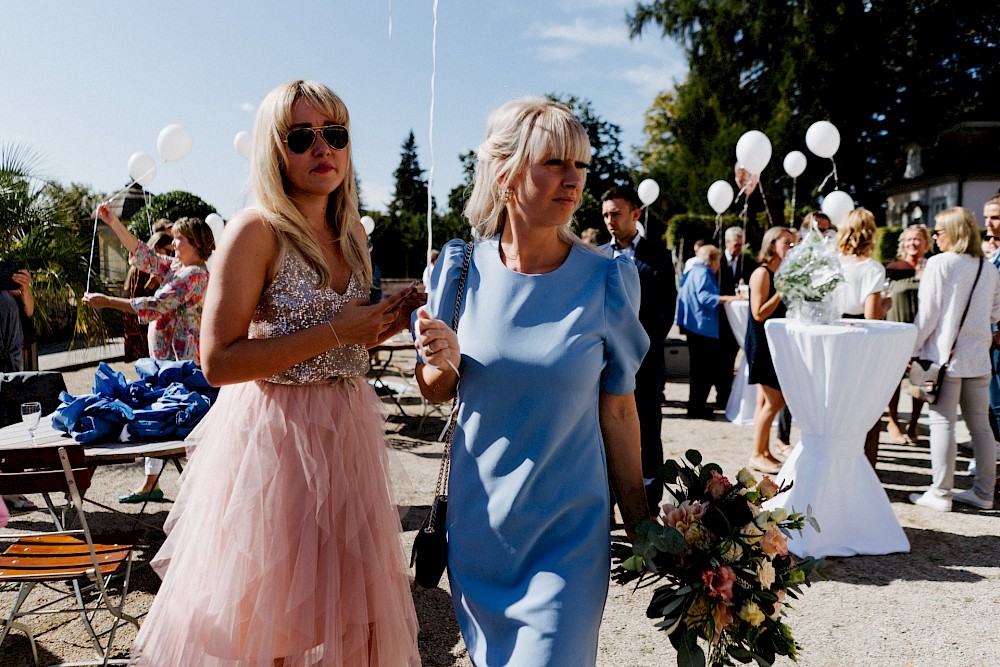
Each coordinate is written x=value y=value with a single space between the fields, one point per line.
x=726 y=350
x=703 y=354
x=785 y=425
x=995 y=393
x=649 y=404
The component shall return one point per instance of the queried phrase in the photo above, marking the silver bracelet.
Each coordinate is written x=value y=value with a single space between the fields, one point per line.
x=329 y=323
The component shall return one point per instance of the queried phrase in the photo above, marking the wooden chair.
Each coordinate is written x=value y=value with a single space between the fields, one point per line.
x=74 y=558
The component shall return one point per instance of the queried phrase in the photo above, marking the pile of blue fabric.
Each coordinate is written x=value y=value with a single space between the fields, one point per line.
x=166 y=403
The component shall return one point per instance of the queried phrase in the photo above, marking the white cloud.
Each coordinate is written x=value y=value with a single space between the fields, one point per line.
x=650 y=80
x=248 y=107
x=581 y=33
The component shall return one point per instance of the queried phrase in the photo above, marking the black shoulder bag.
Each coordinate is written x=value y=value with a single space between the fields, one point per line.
x=430 y=546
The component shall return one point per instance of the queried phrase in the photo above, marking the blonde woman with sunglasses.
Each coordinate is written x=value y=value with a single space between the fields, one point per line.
x=283 y=545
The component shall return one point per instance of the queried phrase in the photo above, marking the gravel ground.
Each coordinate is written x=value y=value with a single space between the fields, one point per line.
x=936 y=605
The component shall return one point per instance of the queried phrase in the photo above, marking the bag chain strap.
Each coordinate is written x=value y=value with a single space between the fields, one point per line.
x=445 y=470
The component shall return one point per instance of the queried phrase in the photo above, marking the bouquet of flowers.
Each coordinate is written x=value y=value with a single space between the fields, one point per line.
x=724 y=565
x=810 y=270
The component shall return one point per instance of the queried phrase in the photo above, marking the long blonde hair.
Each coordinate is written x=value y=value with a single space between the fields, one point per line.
x=520 y=133
x=267 y=179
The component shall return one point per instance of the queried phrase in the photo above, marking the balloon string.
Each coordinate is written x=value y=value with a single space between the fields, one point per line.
x=836 y=181
x=791 y=215
x=90 y=264
x=430 y=140
x=770 y=220
x=390 y=20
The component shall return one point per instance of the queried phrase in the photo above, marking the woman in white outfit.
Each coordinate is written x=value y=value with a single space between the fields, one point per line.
x=944 y=292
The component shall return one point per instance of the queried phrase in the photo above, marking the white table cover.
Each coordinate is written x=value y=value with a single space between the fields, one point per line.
x=742 y=396
x=837 y=380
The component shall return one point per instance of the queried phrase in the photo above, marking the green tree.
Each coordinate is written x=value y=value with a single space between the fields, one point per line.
x=171 y=205
x=883 y=73
x=400 y=246
x=38 y=227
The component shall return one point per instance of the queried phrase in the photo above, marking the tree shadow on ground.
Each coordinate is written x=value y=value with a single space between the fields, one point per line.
x=439 y=632
x=934 y=556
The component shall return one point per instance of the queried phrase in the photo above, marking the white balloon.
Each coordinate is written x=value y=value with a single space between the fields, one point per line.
x=795 y=163
x=368 y=223
x=142 y=168
x=243 y=143
x=720 y=196
x=174 y=142
x=649 y=190
x=216 y=224
x=823 y=138
x=640 y=229
x=753 y=150
x=837 y=204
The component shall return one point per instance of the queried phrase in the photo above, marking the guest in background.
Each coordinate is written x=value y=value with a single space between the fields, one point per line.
x=140 y=284
x=621 y=208
x=589 y=236
x=819 y=221
x=174 y=309
x=17 y=308
x=859 y=296
x=904 y=274
x=991 y=218
x=734 y=275
x=693 y=259
x=548 y=345
x=698 y=313
x=949 y=278
x=765 y=303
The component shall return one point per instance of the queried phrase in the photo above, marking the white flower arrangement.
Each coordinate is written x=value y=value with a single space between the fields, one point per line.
x=810 y=271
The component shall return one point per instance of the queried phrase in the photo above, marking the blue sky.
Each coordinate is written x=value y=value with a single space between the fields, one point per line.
x=86 y=84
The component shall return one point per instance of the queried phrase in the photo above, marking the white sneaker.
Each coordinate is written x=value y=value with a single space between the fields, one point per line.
x=970 y=498
x=933 y=501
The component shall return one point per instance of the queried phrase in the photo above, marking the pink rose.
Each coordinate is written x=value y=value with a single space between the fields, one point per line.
x=774 y=543
x=719 y=582
x=722 y=618
x=683 y=516
x=767 y=488
x=718 y=485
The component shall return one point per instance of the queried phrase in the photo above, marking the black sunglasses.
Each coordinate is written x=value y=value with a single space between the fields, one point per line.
x=301 y=139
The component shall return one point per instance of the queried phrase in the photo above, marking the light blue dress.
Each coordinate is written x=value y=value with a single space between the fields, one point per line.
x=528 y=510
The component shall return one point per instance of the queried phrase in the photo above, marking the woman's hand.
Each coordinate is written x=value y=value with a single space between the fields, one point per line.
x=360 y=323
x=109 y=218
x=23 y=279
x=95 y=300
x=436 y=342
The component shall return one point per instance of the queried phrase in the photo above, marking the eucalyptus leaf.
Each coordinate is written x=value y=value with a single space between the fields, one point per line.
x=694 y=456
x=689 y=653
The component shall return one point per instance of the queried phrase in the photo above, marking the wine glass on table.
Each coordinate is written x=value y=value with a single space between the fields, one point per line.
x=31 y=414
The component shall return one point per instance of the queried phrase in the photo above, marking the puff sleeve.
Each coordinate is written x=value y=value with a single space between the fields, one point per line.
x=625 y=341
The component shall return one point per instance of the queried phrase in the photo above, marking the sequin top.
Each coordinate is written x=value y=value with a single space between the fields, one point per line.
x=293 y=302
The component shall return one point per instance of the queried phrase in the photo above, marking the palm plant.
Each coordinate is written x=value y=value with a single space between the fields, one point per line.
x=39 y=229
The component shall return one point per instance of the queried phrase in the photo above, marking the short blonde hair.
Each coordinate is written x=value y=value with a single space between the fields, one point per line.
x=856 y=234
x=267 y=179
x=920 y=229
x=520 y=133
x=962 y=229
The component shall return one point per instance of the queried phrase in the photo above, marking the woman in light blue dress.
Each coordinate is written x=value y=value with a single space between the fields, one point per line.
x=548 y=345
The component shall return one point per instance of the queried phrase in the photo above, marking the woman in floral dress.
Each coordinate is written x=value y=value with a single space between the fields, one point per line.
x=173 y=311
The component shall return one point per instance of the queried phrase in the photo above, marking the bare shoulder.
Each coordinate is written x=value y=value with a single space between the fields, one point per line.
x=249 y=241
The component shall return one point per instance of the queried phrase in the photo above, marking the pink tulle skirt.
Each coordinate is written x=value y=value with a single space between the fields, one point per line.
x=284 y=540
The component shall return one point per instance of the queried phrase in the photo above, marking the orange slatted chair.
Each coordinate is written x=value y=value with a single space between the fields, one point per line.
x=73 y=557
